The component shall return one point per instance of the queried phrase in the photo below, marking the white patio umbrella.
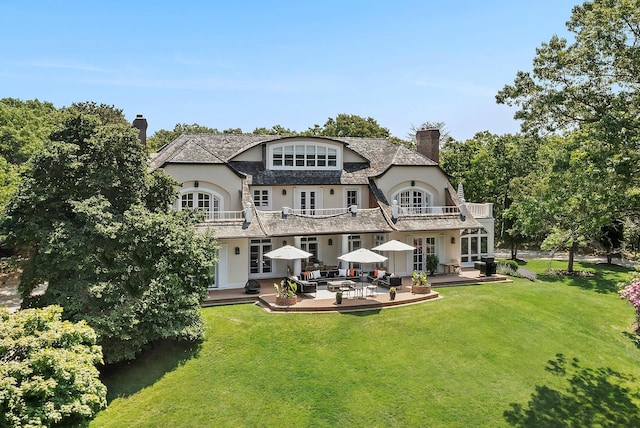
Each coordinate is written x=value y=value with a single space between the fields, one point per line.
x=288 y=252
x=362 y=255
x=394 y=246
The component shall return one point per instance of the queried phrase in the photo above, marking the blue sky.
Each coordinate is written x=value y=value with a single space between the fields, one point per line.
x=248 y=64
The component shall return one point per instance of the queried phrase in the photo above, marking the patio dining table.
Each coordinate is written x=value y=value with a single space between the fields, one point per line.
x=346 y=286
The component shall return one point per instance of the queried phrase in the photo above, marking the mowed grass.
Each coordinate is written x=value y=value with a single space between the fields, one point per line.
x=557 y=352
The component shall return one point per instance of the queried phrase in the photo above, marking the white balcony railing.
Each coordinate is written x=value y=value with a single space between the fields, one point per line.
x=429 y=210
x=316 y=212
x=223 y=215
x=480 y=210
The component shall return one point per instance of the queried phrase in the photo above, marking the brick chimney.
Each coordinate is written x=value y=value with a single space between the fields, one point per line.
x=141 y=123
x=428 y=143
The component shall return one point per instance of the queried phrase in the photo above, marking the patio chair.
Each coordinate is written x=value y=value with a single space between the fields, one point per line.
x=252 y=287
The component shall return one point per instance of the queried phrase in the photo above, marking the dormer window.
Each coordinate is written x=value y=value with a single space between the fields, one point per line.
x=301 y=154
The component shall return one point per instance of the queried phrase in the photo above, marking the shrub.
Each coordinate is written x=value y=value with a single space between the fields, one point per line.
x=47 y=372
x=512 y=263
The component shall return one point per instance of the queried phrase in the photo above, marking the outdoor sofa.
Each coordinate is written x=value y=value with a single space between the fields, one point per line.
x=322 y=277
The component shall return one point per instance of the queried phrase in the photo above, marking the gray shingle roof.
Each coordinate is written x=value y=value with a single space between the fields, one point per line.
x=222 y=148
x=365 y=221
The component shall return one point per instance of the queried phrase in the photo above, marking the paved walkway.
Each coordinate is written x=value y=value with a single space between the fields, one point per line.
x=536 y=254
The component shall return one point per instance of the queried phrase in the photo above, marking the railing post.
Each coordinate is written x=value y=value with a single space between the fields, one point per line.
x=247 y=213
x=394 y=210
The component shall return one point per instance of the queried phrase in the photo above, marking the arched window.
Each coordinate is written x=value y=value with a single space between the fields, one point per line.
x=413 y=201
x=202 y=200
x=304 y=155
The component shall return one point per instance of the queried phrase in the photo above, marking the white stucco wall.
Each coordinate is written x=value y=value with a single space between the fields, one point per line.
x=430 y=178
x=218 y=178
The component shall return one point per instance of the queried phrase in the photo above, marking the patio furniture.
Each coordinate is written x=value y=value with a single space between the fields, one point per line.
x=451 y=268
x=306 y=287
x=252 y=287
x=347 y=287
x=372 y=290
x=336 y=284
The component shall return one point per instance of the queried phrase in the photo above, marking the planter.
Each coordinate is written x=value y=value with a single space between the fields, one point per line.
x=339 y=299
x=421 y=289
x=286 y=301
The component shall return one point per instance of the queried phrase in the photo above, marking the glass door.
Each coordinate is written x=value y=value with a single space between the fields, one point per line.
x=259 y=263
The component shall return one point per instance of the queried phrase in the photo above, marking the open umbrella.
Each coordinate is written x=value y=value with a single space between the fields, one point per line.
x=288 y=252
x=362 y=255
x=394 y=246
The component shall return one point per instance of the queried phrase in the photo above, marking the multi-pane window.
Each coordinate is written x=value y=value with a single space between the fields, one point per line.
x=310 y=245
x=413 y=201
x=423 y=247
x=355 y=242
x=203 y=202
x=474 y=244
x=304 y=155
x=261 y=199
x=258 y=263
x=352 y=197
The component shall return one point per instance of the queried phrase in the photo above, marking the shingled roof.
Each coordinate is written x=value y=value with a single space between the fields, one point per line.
x=380 y=154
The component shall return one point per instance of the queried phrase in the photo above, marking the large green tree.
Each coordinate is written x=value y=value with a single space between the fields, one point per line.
x=593 y=80
x=565 y=202
x=163 y=137
x=349 y=125
x=24 y=129
x=590 y=85
x=97 y=228
x=48 y=374
x=486 y=165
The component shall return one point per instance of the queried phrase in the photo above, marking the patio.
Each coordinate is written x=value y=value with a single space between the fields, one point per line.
x=325 y=301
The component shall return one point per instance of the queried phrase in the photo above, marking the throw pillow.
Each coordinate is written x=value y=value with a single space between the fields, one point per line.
x=342 y=272
x=381 y=273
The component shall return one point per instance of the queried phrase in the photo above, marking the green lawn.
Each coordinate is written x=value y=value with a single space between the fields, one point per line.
x=557 y=352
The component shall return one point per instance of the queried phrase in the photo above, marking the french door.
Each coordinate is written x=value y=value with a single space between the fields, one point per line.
x=425 y=246
x=259 y=263
x=308 y=200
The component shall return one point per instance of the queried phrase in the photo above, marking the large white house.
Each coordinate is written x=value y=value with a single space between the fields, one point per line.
x=327 y=196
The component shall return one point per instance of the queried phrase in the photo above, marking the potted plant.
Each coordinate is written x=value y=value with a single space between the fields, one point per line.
x=420 y=284
x=432 y=263
x=392 y=293
x=338 y=297
x=286 y=292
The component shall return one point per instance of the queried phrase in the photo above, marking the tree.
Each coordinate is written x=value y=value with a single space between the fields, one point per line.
x=24 y=129
x=48 y=374
x=274 y=130
x=163 y=137
x=486 y=165
x=98 y=229
x=445 y=135
x=612 y=237
x=591 y=86
x=349 y=125
x=565 y=201
x=594 y=80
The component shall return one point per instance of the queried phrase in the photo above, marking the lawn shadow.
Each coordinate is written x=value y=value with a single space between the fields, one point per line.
x=601 y=278
x=362 y=313
x=128 y=377
x=593 y=397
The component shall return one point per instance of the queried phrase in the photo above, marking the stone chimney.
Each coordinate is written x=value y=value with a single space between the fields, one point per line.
x=428 y=143
x=141 y=123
